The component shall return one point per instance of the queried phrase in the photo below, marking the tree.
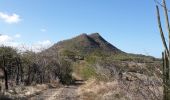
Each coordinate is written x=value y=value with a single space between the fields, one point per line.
x=8 y=64
x=65 y=72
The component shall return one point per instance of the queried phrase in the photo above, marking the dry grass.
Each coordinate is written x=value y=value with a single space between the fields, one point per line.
x=28 y=91
x=25 y=91
x=119 y=90
x=94 y=90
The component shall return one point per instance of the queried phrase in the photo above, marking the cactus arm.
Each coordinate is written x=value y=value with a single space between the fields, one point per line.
x=167 y=18
x=161 y=31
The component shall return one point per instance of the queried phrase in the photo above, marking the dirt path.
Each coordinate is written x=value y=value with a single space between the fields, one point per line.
x=47 y=94
x=64 y=93
x=67 y=93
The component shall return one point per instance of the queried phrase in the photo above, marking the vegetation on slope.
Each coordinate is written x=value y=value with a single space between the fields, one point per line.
x=83 y=57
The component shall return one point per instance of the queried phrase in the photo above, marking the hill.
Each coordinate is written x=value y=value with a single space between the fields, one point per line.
x=90 y=59
x=92 y=55
x=85 y=44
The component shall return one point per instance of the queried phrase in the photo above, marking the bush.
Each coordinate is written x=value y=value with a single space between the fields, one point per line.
x=91 y=59
x=88 y=72
x=65 y=72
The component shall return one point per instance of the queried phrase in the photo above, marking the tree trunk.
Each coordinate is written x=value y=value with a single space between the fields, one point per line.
x=5 y=73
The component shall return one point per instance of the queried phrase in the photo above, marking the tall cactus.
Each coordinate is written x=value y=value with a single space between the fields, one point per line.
x=166 y=53
x=166 y=79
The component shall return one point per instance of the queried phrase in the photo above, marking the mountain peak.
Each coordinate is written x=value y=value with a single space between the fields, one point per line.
x=95 y=35
x=86 y=44
x=83 y=35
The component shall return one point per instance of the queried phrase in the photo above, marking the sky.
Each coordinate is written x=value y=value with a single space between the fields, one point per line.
x=130 y=25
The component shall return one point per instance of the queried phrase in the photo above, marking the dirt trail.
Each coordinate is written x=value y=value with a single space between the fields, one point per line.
x=47 y=94
x=64 y=93
x=67 y=93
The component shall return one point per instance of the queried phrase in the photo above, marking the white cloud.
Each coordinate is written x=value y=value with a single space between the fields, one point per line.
x=5 y=38
x=46 y=42
x=13 y=18
x=17 y=36
x=43 y=30
x=41 y=45
x=38 y=46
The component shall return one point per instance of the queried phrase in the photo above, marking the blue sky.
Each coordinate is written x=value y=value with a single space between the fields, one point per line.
x=130 y=25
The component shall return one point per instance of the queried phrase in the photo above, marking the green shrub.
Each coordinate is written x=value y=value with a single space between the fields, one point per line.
x=68 y=53
x=88 y=72
x=65 y=74
x=91 y=59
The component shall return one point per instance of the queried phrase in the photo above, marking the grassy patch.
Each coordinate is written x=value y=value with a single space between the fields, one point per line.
x=84 y=70
x=88 y=72
x=91 y=59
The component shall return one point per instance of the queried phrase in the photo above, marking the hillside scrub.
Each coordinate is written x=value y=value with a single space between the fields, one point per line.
x=29 y=68
x=120 y=90
x=67 y=64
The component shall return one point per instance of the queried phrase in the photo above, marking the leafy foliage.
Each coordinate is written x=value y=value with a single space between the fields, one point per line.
x=65 y=72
